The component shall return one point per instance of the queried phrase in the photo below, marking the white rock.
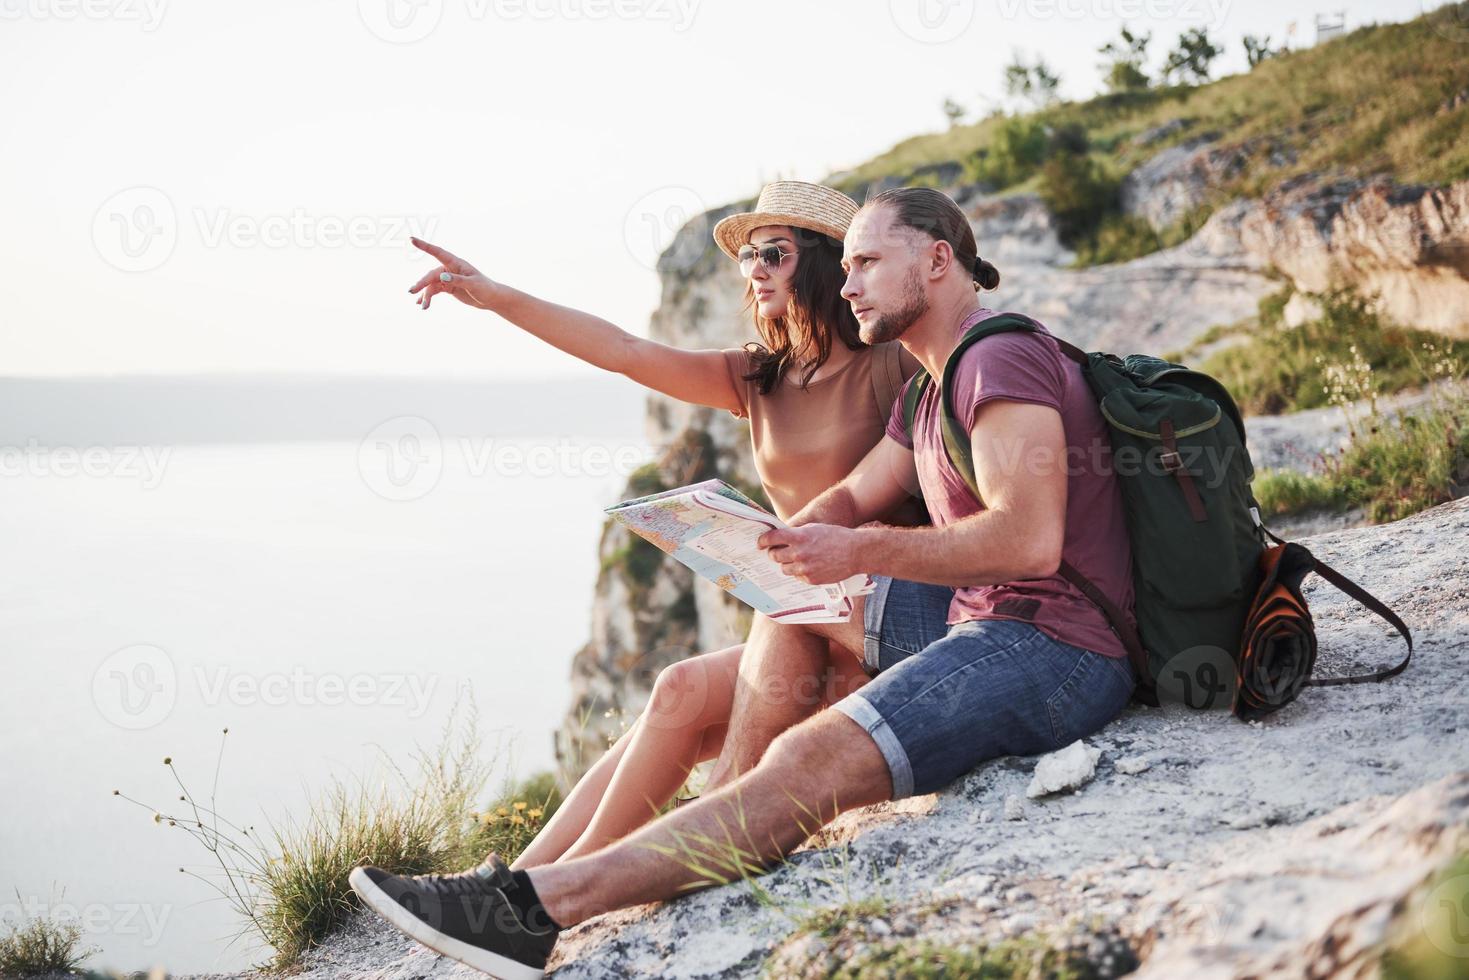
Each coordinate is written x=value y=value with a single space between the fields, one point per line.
x=1014 y=808
x=1132 y=765
x=1065 y=769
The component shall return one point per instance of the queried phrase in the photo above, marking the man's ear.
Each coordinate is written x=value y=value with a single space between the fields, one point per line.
x=941 y=256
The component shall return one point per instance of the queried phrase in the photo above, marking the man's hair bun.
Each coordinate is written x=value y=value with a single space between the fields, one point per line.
x=985 y=274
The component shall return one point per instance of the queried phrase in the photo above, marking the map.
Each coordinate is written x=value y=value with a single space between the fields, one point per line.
x=712 y=528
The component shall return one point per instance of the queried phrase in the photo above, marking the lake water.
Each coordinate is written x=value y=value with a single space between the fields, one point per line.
x=318 y=599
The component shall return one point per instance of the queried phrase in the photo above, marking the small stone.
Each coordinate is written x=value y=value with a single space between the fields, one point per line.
x=1132 y=765
x=1014 y=808
x=879 y=927
x=1065 y=769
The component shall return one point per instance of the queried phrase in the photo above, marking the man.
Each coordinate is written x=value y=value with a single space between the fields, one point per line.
x=979 y=647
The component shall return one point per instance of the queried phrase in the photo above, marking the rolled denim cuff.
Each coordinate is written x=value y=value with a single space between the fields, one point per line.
x=860 y=710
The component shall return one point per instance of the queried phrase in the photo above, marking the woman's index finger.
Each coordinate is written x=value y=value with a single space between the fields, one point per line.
x=446 y=257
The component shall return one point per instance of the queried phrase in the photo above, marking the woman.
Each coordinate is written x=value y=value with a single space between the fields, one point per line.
x=817 y=400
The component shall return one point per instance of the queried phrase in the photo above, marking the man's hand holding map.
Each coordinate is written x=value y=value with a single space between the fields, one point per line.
x=712 y=528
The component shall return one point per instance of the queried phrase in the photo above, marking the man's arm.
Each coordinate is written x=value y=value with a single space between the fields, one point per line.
x=1019 y=451
x=882 y=480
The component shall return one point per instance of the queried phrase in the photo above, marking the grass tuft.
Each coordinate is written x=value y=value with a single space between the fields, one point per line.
x=42 y=946
x=1350 y=352
x=289 y=884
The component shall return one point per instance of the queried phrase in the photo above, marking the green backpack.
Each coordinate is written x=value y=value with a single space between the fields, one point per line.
x=1178 y=448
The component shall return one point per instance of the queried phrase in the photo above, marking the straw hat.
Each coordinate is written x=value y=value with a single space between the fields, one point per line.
x=789 y=202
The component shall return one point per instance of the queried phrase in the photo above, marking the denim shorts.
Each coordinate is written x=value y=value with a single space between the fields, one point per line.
x=945 y=698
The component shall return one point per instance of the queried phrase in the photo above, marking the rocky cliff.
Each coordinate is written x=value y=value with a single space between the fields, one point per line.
x=1411 y=244
x=1304 y=845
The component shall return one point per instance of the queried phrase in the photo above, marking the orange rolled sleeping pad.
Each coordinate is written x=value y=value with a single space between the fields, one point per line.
x=1278 y=648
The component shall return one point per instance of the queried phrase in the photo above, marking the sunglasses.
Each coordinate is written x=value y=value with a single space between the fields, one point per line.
x=769 y=257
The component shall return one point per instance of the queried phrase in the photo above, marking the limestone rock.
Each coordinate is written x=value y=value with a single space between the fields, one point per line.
x=1065 y=769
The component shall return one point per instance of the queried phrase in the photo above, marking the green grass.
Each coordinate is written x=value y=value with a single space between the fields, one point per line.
x=41 y=946
x=1350 y=357
x=289 y=884
x=1011 y=959
x=638 y=561
x=1122 y=237
x=1349 y=353
x=1282 y=492
x=1429 y=937
x=1368 y=102
x=833 y=919
x=1391 y=469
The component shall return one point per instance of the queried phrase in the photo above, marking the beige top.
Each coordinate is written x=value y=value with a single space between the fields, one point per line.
x=807 y=439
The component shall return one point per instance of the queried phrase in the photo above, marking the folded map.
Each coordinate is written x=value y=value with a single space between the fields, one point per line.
x=711 y=527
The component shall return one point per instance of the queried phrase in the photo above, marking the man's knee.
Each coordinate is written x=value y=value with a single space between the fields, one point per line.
x=828 y=759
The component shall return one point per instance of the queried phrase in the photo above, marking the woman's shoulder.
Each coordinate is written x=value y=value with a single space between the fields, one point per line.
x=738 y=362
x=907 y=364
x=894 y=357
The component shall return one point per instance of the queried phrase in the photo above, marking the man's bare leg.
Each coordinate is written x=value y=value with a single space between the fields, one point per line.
x=824 y=765
x=779 y=685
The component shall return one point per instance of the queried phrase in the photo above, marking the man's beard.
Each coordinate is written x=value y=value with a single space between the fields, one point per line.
x=892 y=325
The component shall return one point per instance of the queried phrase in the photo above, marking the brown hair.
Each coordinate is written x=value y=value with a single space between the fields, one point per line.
x=937 y=216
x=816 y=312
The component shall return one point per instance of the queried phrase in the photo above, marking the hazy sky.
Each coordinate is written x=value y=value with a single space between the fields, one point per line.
x=209 y=186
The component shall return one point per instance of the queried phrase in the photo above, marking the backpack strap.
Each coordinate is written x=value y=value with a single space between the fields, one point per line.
x=887 y=377
x=911 y=395
x=1366 y=598
x=956 y=445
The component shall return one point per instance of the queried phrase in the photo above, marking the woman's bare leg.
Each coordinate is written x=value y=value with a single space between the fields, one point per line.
x=696 y=693
x=688 y=699
x=685 y=718
x=575 y=812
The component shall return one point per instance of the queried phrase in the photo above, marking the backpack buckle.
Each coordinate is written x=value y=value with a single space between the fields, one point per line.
x=1171 y=460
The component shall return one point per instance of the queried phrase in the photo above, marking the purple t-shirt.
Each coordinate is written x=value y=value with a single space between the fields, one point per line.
x=1026 y=367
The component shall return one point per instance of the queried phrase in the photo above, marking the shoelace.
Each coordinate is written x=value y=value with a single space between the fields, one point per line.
x=469 y=882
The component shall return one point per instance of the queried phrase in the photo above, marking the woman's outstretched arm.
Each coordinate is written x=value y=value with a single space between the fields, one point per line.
x=701 y=377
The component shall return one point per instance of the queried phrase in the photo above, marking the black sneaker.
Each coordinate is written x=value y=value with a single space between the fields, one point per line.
x=464 y=916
